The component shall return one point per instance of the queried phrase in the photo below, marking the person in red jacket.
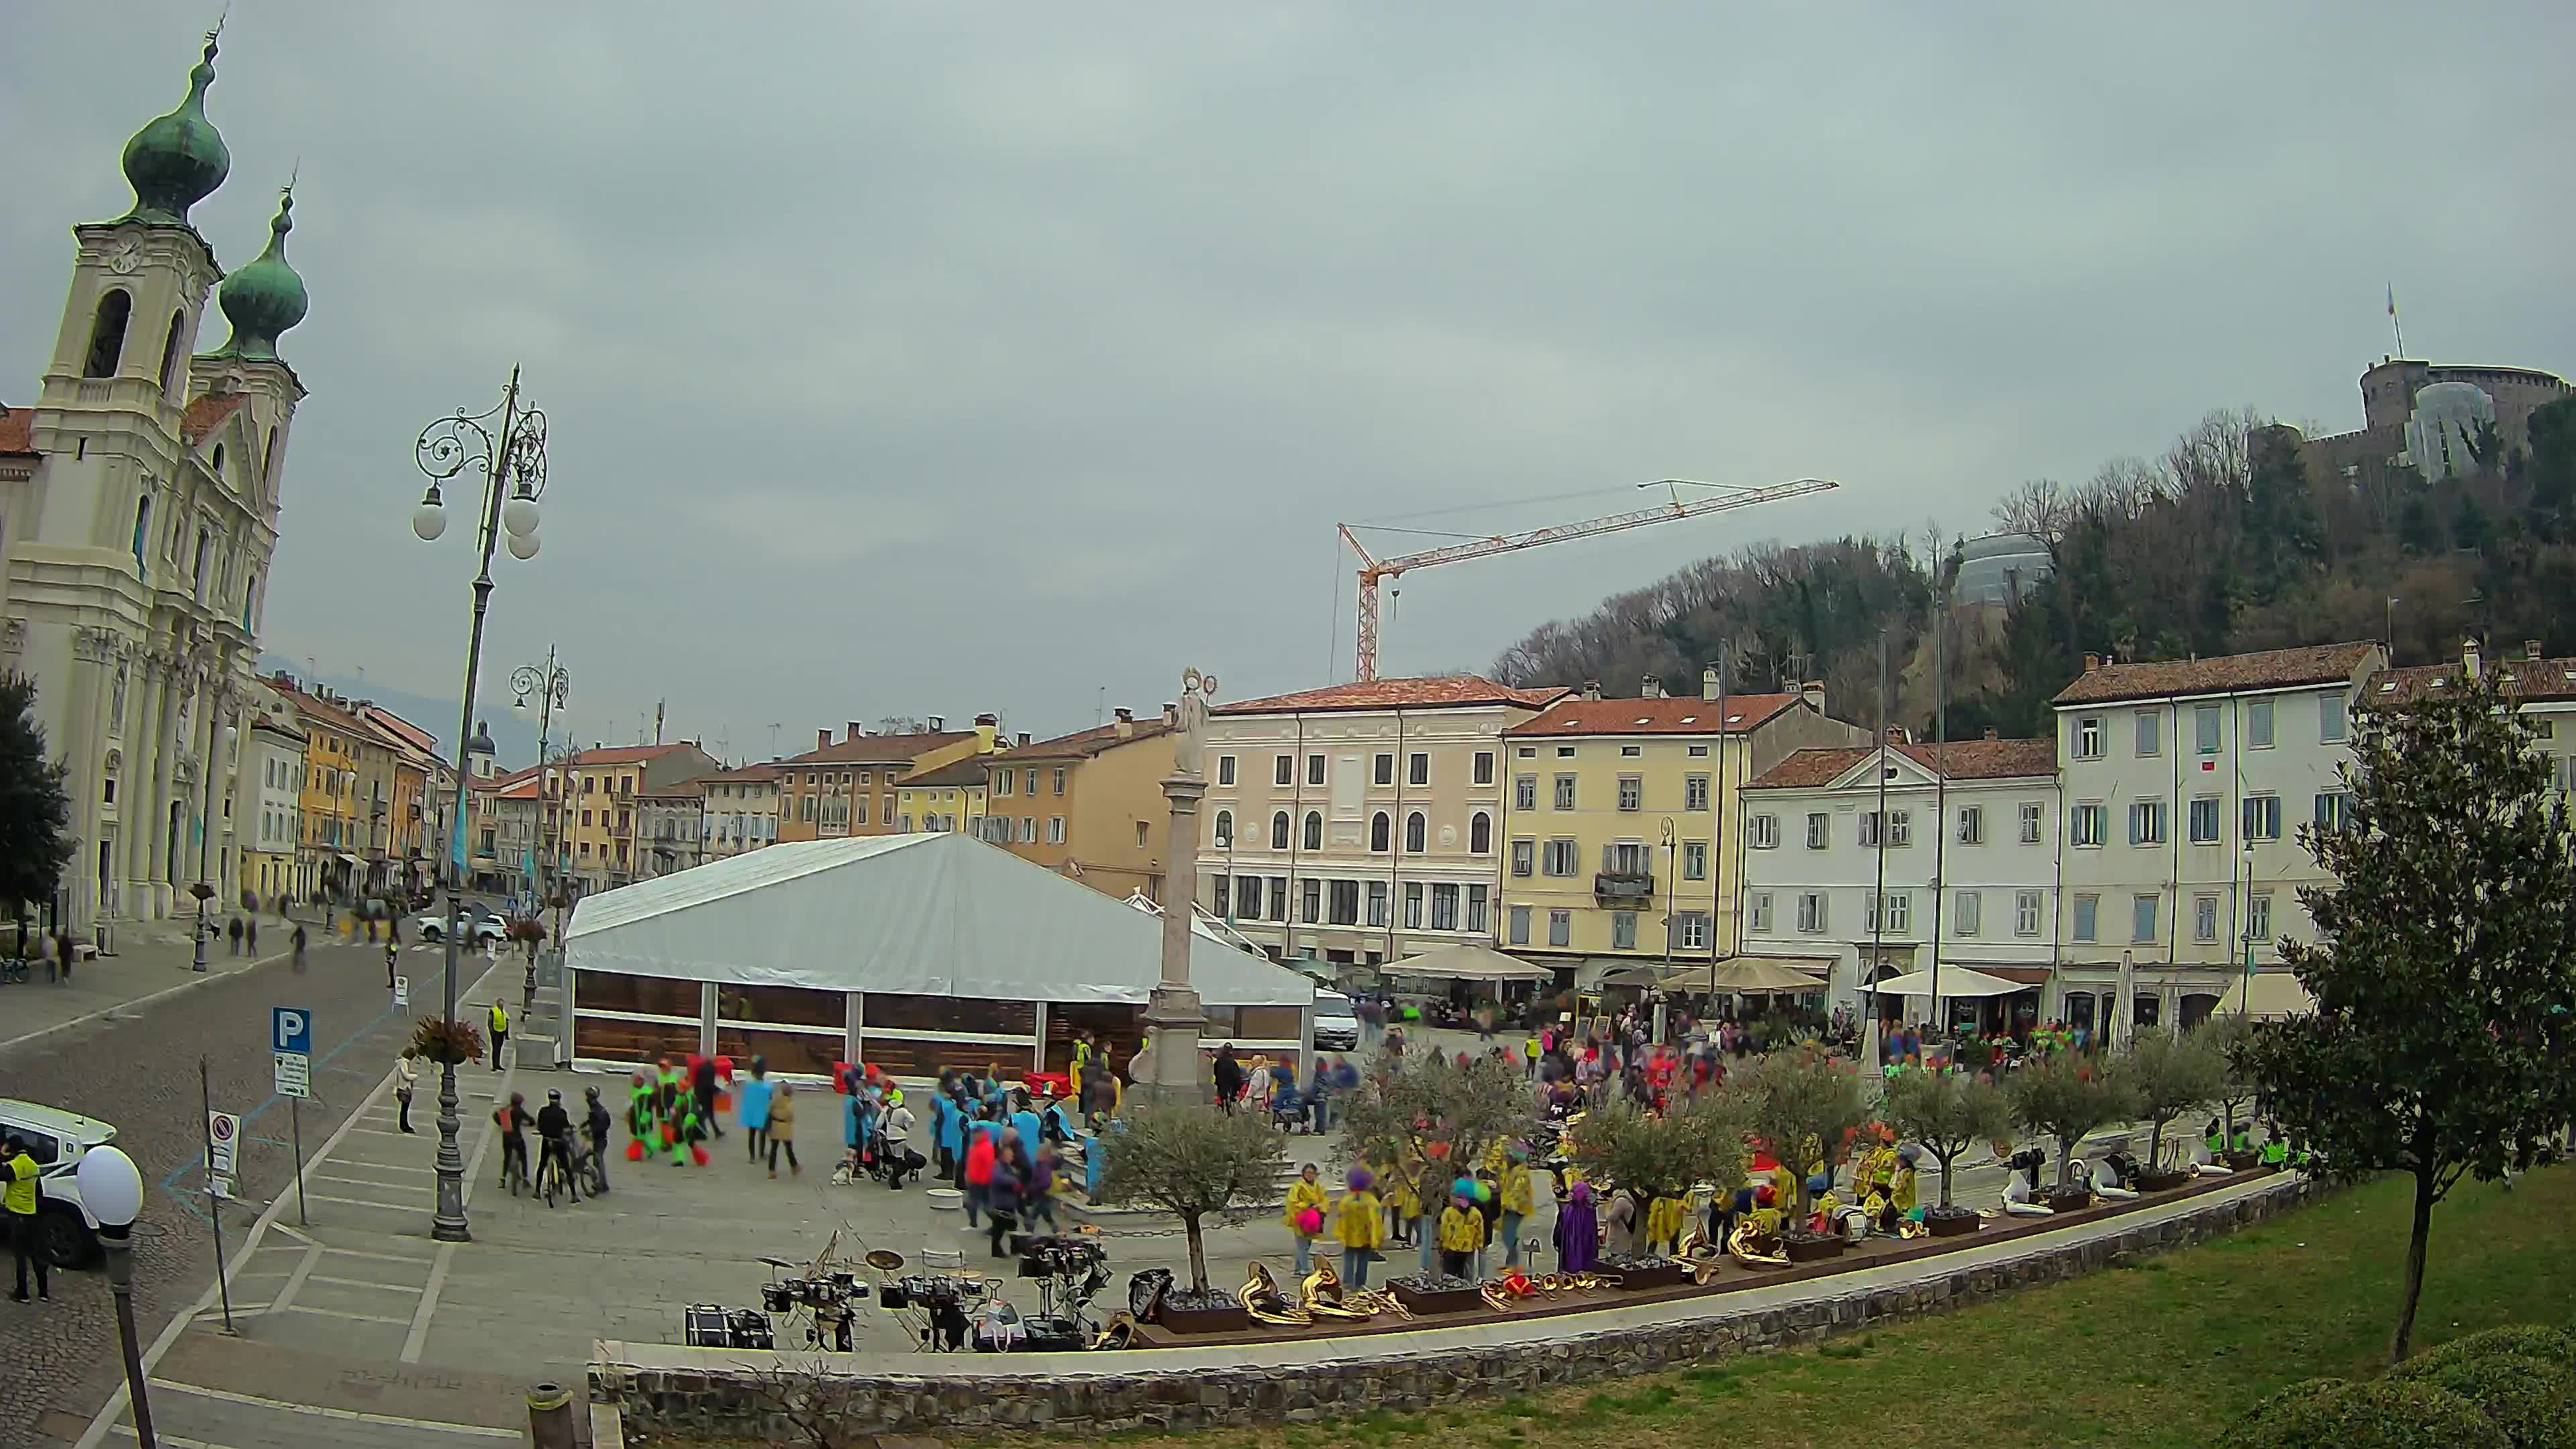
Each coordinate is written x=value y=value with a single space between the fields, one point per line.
x=979 y=1168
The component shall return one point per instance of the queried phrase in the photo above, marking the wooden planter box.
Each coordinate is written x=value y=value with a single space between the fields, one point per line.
x=1456 y=1300
x=2244 y=1161
x=2068 y=1200
x=1664 y=1275
x=2161 y=1181
x=1815 y=1249
x=1952 y=1227
x=1231 y=1319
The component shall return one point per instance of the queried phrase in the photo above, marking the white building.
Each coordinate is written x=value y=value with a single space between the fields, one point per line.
x=742 y=810
x=2185 y=783
x=271 y=803
x=139 y=505
x=1359 y=823
x=1963 y=866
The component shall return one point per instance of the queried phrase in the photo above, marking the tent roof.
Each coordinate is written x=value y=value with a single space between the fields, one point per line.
x=2267 y=994
x=935 y=914
x=1749 y=974
x=1468 y=961
x=1955 y=981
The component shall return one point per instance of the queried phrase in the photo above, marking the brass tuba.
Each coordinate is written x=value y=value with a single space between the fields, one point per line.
x=1325 y=1299
x=1698 y=1256
x=1261 y=1298
x=1756 y=1240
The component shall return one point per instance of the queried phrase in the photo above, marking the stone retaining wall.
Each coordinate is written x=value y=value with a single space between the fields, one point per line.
x=705 y=1393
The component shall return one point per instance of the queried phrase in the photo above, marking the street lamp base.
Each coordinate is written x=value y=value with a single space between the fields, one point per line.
x=447 y=1230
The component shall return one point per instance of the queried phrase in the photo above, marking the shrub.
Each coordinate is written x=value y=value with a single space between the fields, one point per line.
x=2525 y=1397
x=2383 y=1414
x=2519 y=1340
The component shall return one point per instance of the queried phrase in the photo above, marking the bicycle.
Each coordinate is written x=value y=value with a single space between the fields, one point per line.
x=550 y=1172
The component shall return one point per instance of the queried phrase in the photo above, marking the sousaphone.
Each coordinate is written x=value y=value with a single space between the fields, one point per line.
x=1261 y=1298
x=1325 y=1298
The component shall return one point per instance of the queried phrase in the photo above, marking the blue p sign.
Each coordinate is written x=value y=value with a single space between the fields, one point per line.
x=290 y=1029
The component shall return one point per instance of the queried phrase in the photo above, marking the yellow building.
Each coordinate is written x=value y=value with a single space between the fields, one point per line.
x=946 y=797
x=1620 y=818
x=328 y=848
x=1089 y=804
x=849 y=788
x=597 y=805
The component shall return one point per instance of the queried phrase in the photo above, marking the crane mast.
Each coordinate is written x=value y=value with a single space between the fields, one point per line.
x=1374 y=570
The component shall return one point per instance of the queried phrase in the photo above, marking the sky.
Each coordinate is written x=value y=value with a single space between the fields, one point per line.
x=929 y=359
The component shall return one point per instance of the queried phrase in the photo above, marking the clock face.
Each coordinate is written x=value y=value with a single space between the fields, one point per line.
x=125 y=256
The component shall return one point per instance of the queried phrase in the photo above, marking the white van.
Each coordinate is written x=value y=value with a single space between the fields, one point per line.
x=57 y=1139
x=1337 y=1026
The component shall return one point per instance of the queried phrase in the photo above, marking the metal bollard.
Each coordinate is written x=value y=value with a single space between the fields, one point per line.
x=550 y=1417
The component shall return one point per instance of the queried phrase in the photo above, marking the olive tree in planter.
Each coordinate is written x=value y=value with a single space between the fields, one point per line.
x=1804 y=1106
x=1662 y=1158
x=1947 y=1113
x=1432 y=1120
x=2225 y=1038
x=2171 y=1074
x=2065 y=1097
x=1191 y=1161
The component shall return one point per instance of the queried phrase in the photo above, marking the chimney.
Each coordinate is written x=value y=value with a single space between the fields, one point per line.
x=2531 y=649
x=1171 y=714
x=2469 y=656
x=1024 y=739
x=853 y=730
x=1651 y=687
x=1813 y=692
x=1592 y=689
x=1708 y=685
x=822 y=739
x=1126 y=725
x=1990 y=732
x=938 y=724
x=2092 y=663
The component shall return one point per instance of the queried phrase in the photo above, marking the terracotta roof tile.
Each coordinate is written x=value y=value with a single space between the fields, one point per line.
x=878 y=749
x=968 y=772
x=208 y=413
x=751 y=774
x=2525 y=679
x=1451 y=691
x=624 y=754
x=1083 y=744
x=2270 y=669
x=1668 y=716
x=1962 y=759
x=17 y=431
x=683 y=789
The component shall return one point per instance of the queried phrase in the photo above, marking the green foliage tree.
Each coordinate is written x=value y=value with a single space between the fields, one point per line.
x=2064 y=1096
x=35 y=813
x=2471 y=529
x=2172 y=1073
x=1946 y=1112
x=2444 y=968
x=2225 y=1039
x=1431 y=1119
x=1191 y=1161
x=2551 y=469
x=1804 y=1106
x=1624 y=1144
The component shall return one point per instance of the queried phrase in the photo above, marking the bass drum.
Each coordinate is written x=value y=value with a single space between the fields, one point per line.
x=1145 y=1290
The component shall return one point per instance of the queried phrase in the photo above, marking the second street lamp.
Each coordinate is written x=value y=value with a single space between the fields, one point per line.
x=507 y=444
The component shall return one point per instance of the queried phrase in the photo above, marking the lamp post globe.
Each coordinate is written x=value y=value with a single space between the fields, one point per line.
x=519 y=515
x=523 y=546
x=429 y=520
x=112 y=1190
x=110 y=1186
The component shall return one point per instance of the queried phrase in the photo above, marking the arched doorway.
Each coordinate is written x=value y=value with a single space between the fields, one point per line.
x=2197 y=1007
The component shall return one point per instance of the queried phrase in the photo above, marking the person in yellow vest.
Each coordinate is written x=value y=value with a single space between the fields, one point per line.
x=1517 y=1203
x=500 y=1032
x=1359 y=1222
x=1081 y=1059
x=1305 y=1216
x=1462 y=1234
x=1402 y=1206
x=18 y=1174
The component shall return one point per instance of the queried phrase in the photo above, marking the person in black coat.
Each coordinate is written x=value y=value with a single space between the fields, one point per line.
x=1229 y=1077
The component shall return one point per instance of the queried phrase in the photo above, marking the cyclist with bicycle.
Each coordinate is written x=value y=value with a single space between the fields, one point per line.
x=513 y=1120
x=554 y=1129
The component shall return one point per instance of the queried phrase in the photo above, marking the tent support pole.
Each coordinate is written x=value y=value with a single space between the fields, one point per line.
x=853 y=1026
x=1037 y=1054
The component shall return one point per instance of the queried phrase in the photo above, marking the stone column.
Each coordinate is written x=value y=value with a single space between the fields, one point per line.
x=1173 y=1013
x=146 y=808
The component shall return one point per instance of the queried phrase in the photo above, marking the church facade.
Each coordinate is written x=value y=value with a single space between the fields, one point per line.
x=139 y=497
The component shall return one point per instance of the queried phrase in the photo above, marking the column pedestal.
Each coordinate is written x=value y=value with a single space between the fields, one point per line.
x=1174 y=1075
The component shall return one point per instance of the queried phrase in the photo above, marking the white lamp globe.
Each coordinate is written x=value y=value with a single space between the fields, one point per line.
x=110 y=1186
x=428 y=521
x=519 y=516
x=523 y=545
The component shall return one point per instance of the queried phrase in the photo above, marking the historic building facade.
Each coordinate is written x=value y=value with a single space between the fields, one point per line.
x=139 y=498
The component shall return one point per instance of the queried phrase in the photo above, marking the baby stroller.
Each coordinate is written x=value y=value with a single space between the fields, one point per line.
x=1287 y=1108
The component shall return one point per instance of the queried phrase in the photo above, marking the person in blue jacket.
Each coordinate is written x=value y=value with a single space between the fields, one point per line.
x=1024 y=1122
x=751 y=1096
x=947 y=1124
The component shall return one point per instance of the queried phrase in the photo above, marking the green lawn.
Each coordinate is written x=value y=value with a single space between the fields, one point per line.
x=2161 y=1355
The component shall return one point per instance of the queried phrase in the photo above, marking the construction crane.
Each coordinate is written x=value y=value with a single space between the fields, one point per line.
x=1374 y=570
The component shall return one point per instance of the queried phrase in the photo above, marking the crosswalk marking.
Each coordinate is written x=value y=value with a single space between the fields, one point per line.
x=337 y=1313
x=363 y=1283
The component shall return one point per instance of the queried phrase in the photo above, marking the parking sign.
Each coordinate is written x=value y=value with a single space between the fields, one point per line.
x=290 y=1029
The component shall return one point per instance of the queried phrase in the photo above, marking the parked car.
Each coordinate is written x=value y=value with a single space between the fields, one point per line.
x=480 y=926
x=66 y=1229
x=1337 y=1026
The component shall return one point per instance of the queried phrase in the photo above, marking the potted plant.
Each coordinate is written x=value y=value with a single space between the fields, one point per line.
x=2066 y=1097
x=1432 y=1121
x=1805 y=1107
x=2171 y=1074
x=1191 y=1161
x=1662 y=1158
x=1947 y=1114
x=446 y=1043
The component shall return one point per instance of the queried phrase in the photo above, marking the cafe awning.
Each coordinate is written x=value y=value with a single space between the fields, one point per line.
x=1468 y=962
x=2267 y=994
x=1955 y=981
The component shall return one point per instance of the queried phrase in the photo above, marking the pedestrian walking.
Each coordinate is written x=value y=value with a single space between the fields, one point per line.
x=390 y=949
x=981 y=1154
x=234 y=930
x=406 y=1073
x=780 y=1132
x=297 y=941
x=500 y=1021
x=753 y=1094
x=597 y=1125
x=18 y=1173
x=1360 y=1223
x=702 y=1085
x=895 y=1129
x=45 y=951
x=250 y=934
x=65 y=953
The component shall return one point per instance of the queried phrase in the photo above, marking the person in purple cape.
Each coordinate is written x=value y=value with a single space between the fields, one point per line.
x=1578 y=1234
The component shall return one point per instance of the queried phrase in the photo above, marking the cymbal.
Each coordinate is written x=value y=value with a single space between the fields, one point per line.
x=884 y=1260
x=778 y=1262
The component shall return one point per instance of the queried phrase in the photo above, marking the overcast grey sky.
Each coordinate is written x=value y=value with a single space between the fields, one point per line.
x=934 y=358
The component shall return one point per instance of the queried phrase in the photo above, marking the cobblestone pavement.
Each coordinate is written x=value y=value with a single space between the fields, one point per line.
x=136 y=1068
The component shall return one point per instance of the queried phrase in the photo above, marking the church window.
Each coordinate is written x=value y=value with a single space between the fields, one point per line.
x=107 y=334
x=268 y=457
x=215 y=465
x=142 y=532
x=170 y=350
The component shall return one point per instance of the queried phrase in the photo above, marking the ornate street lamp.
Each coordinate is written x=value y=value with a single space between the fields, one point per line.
x=112 y=1189
x=551 y=686
x=507 y=444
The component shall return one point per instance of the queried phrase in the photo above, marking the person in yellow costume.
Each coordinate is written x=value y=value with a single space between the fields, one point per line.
x=1663 y=1224
x=1462 y=1233
x=1402 y=1205
x=1518 y=1203
x=1900 y=1188
x=1305 y=1215
x=1359 y=1223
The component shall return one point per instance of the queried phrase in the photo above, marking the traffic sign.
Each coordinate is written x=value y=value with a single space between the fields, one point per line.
x=402 y=991
x=223 y=1133
x=290 y=1029
x=220 y=1186
x=294 y=1074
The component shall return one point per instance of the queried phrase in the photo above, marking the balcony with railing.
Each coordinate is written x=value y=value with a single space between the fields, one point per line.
x=1623 y=887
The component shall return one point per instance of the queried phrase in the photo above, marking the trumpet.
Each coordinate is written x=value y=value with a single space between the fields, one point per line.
x=1261 y=1298
x=1325 y=1298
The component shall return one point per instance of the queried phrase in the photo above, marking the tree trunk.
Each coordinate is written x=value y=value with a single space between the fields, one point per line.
x=2422 y=1233
x=2155 y=1145
x=1945 y=1177
x=2066 y=1158
x=1198 y=1254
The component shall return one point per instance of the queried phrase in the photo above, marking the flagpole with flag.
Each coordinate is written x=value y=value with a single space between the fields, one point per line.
x=2394 y=325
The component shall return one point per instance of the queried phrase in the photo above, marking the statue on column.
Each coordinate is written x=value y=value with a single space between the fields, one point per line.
x=1189 y=741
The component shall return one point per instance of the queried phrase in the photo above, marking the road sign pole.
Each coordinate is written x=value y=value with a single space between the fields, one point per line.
x=214 y=1200
x=295 y=1126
